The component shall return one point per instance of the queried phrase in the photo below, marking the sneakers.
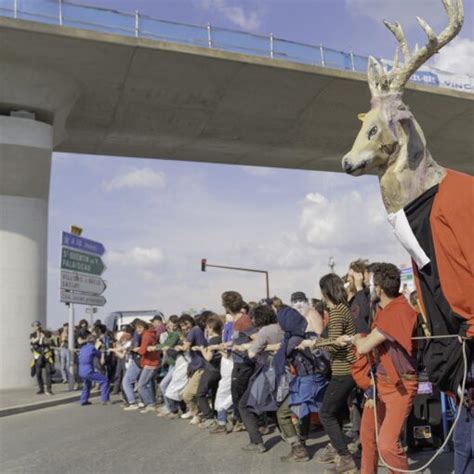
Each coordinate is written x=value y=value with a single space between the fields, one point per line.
x=187 y=415
x=141 y=405
x=85 y=404
x=254 y=448
x=344 y=465
x=49 y=392
x=149 y=409
x=132 y=407
x=327 y=455
x=239 y=426
x=353 y=446
x=218 y=429
x=195 y=420
x=264 y=430
x=207 y=423
x=40 y=392
x=163 y=411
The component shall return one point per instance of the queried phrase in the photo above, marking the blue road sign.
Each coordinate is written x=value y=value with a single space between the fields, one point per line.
x=80 y=243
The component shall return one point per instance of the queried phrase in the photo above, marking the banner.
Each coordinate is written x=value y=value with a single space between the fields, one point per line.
x=431 y=76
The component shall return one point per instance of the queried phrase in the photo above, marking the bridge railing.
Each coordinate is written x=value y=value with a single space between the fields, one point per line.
x=70 y=13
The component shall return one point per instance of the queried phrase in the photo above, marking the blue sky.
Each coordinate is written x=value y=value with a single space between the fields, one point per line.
x=158 y=218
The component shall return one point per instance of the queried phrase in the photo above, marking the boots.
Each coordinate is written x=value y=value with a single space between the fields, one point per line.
x=327 y=455
x=298 y=453
x=344 y=465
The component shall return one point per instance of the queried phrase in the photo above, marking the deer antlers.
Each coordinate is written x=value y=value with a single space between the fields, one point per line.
x=381 y=82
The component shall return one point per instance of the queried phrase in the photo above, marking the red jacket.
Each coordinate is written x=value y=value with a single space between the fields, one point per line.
x=149 y=359
x=452 y=227
x=398 y=319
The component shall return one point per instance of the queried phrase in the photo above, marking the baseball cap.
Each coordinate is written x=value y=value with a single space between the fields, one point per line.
x=158 y=316
x=298 y=296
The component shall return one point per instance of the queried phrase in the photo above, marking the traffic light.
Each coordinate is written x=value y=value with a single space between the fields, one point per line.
x=203 y=264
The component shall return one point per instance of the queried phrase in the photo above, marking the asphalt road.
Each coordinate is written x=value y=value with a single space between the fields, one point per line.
x=103 y=439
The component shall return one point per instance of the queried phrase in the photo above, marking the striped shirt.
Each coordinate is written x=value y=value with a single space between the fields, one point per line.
x=340 y=322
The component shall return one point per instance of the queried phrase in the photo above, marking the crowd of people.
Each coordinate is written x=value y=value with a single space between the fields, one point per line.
x=269 y=363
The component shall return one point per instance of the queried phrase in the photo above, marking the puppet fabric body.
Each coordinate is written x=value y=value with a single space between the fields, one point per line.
x=442 y=224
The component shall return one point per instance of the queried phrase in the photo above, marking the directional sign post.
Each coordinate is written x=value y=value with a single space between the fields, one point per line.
x=81 y=267
x=80 y=243
x=75 y=281
x=81 y=262
x=82 y=298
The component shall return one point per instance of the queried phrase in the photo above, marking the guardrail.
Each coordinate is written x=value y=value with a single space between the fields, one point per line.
x=68 y=13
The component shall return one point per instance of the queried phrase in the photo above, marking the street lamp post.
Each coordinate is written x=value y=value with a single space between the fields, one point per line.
x=331 y=264
x=204 y=266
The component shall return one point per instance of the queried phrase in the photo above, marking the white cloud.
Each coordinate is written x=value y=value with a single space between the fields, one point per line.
x=247 y=20
x=403 y=11
x=137 y=178
x=257 y=170
x=136 y=257
x=456 y=57
x=347 y=224
x=354 y=222
x=316 y=198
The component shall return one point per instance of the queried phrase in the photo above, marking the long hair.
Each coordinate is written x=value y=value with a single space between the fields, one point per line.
x=332 y=288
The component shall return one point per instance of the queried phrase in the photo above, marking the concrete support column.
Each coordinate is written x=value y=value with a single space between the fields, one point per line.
x=25 y=165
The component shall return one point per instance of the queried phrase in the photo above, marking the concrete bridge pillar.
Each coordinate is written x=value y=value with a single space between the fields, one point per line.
x=26 y=144
x=25 y=162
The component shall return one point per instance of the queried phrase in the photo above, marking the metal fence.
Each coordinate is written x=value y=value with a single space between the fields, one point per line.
x=68 y=13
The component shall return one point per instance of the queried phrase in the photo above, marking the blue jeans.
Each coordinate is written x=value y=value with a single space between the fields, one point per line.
x=164 y=385
x=173 y=405
x=128 y=382
x=464 y=443
x=64 y=360
x=146 y=386
x=93 y=377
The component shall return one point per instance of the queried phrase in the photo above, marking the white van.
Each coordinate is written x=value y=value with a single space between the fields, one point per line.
x=114 y=321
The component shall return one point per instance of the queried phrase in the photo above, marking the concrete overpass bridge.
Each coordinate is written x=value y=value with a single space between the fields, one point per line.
x=81 y=91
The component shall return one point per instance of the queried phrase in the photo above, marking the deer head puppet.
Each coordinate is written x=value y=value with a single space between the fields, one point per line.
x=391 y=142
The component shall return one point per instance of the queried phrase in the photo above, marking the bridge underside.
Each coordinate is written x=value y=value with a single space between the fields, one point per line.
x=143 y=98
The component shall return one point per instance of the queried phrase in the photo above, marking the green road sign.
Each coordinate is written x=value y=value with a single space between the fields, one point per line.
x=81 y=262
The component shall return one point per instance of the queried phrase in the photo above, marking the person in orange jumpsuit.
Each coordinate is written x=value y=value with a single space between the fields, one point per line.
x=396 y=377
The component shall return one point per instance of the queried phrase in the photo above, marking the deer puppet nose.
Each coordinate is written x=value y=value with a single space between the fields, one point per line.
x=346 y=166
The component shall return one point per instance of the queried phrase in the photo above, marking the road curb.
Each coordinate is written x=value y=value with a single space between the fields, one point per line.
x=15 y=410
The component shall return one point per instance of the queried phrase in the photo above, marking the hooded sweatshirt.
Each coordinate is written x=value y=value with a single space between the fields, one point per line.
x=149 y=359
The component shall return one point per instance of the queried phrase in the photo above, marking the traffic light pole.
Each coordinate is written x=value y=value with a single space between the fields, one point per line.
x=204 y=265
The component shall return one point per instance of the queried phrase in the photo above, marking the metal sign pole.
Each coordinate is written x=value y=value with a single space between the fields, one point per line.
x=70 y=341
x=267 y=284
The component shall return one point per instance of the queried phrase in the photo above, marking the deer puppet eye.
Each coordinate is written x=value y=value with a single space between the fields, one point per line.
x=372 y=132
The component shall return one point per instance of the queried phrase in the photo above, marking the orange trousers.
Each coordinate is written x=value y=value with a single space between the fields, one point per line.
x=393 y=407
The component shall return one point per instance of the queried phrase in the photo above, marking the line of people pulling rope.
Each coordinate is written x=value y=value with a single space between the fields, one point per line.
x=289 y=362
